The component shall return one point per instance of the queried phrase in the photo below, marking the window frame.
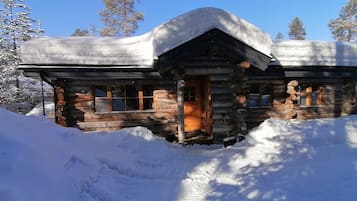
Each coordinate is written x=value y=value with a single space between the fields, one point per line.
x=109 y=97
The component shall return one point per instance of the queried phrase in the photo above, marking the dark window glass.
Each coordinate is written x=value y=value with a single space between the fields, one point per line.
x=118 y=104
x=132 y=104
x=147 y=90
x=131 y=91
x=253 y=100
x=189 y=94
x=148 y=103
x=101 y=91
x=266 y=100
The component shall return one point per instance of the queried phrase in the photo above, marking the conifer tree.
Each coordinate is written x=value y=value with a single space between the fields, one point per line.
x=296 y=30
x=80 y=32
x=120 y=18
x=15 y=28
x=279 y=36
x=344 y=28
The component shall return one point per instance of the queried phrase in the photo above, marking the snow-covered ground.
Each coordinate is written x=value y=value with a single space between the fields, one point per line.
x=38 y=109
x=280 y=160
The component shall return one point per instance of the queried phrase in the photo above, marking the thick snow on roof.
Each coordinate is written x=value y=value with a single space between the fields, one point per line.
x=190 y=25
x=89 y=51
x=143 y=50
x=314 y=53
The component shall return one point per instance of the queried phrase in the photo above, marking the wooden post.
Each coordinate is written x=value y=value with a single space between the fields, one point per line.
x=180 y=108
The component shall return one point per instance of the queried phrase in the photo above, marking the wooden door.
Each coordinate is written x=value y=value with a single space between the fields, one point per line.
x=196 y=104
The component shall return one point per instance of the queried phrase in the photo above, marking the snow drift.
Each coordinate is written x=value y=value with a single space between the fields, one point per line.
x=280 y=160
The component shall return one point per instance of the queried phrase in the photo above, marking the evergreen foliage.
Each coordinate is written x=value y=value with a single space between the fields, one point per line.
x=296 y=30
x=344 y=28
x=15 y=28
x=279 y=36
x=120 y=18
x=80 y=32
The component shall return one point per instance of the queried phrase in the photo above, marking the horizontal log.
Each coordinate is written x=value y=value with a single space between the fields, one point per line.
x=221 y=90
x=223 y=110
x=220 y=77
x=209 y=71
x=222 y=129
x=153 y=116
x=122 y=124
x=217 y=103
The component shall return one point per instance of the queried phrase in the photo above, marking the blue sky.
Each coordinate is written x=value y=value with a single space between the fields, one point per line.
x=60 y=18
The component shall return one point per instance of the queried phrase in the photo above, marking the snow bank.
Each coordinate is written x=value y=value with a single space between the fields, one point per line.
x=280 y=160
x=38 y=109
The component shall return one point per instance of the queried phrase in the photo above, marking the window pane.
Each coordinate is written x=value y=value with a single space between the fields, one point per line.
x=132 y=104
x=118 y=91
x=189 y=94
x=302 y=100
x=266 y=100
x=101 y=105
x=253 y=100
x=131 y=91
x=147 y=90
x=100 y=91
x=118 y=104
x=148 y=103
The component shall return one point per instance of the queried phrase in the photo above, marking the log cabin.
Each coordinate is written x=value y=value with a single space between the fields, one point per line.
x=204 y=76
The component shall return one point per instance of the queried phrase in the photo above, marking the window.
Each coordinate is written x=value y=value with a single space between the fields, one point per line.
x=189 y=94
x=311 y=95
x=259 y=95
x=123 y=98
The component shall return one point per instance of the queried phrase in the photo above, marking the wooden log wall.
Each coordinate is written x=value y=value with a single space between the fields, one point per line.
x=81 y=111
x=338 y=99
x=348 y=104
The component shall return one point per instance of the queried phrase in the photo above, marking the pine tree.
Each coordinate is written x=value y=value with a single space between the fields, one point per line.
x=80 y=32
x=15 y=28
x=279 y=36
x=344 y=28
x=296 y=30
x=119 y=18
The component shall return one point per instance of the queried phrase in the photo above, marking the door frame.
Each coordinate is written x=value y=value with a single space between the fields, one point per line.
x=203 y=95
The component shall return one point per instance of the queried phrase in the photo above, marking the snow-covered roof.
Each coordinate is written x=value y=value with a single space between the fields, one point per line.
x=314 y=53
x=143 y=50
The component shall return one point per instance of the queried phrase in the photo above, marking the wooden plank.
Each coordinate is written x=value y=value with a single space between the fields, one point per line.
x=226 y=104
x=220 y=90
x=222 y=129
x=220 y=77
x=208 y=71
